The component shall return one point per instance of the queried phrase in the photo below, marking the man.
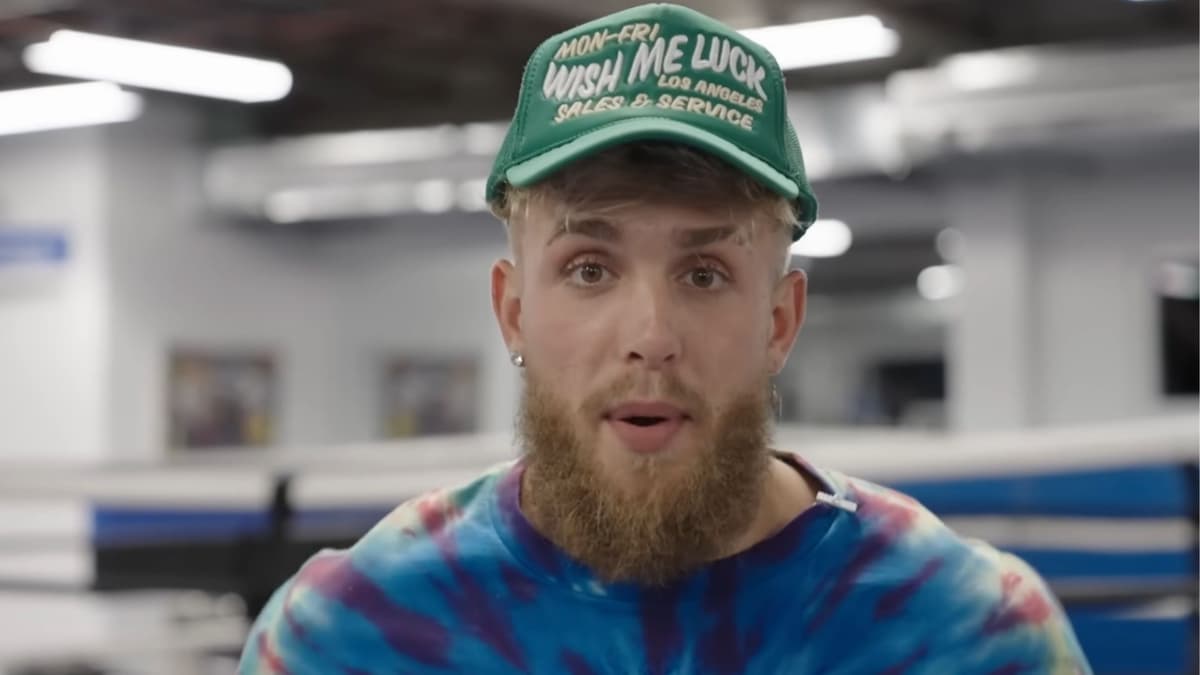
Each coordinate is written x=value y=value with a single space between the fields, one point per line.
x=651 y=184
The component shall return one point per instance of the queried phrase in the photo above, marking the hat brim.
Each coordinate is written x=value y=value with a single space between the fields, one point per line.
x=536 y=168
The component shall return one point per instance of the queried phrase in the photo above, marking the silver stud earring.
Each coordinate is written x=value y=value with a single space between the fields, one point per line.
x=517 y=359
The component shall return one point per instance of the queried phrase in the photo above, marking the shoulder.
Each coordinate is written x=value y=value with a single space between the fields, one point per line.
x=972 y=604
x=343 y=607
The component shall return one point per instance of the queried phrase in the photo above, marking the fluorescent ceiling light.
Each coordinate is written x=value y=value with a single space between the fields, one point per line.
x=940 y=282
x=819 y=43
x=989 y=70
x=155 y=66
x=484 y=138
x=434 y=196
x=372 y=200
x=66 y=105
x=825 y=239
x=472 y=195
x=331 y=202
x=352 y=148
x=392 y=146
x=289 y=206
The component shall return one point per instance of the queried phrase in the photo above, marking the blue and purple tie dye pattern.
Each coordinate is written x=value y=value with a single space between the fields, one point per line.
x=459 y=582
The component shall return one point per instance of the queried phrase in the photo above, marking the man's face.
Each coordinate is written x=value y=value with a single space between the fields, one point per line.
x=649 y=337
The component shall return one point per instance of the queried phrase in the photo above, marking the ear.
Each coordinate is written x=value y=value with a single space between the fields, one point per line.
x=787 y=315
x=506 y=302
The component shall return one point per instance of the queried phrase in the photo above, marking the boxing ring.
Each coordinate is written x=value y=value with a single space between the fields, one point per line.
x=146 y=567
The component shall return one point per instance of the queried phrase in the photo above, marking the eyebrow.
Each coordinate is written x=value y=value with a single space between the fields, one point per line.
x=593 y=228
x=704 y=236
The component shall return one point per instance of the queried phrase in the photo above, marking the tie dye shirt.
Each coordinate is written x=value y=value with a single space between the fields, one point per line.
x=863 y=581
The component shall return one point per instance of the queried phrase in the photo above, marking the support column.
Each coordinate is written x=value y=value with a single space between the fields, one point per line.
x=990 y=344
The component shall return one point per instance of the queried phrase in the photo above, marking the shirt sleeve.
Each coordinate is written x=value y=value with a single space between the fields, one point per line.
x=295 y=634
x=1006 y=621
x=271 y=647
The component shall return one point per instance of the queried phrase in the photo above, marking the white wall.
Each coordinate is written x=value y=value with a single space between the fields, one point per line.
x=84 y=364
x=434 y=302
x=841 y=339
x=1059 y=322
x=331 y=308
x=181 y=276
x=990 y=354
x=1099 y=240
x=53 y=338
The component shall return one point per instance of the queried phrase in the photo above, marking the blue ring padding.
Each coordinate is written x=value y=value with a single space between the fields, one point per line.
x=129 y=525
x=1066 y=564
x=1129 y=492
x=1115 y=645
x=1145 y=491
x=138 y=525
x=116 y=526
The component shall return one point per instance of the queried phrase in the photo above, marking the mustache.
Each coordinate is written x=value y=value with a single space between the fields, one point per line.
x=665 y=386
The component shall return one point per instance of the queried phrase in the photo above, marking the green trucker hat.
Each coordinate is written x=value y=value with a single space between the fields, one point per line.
x=654 y=72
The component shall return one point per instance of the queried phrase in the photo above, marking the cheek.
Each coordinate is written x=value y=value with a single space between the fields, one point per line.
x=731 y=333
x=730 y=357
x=564 y=337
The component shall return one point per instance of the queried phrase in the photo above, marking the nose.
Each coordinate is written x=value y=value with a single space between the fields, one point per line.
x=653 y=338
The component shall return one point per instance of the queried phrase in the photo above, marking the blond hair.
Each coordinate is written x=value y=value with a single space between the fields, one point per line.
x=651 y=171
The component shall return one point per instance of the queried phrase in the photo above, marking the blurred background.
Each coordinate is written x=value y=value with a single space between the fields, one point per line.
x=244 y=306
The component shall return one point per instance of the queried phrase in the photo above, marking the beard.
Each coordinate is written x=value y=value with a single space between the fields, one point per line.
x=660 y=517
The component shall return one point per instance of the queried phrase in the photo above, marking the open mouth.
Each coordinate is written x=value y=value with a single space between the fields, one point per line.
x=646 y=413
x=642 y=421
x=646 y=427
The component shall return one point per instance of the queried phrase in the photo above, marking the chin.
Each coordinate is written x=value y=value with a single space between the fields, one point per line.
x=636 y=473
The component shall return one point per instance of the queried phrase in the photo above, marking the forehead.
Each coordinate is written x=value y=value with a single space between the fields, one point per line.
x=678 y=224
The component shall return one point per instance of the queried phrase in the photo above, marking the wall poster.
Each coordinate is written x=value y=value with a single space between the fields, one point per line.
x=221 y=399
x=426 y=395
